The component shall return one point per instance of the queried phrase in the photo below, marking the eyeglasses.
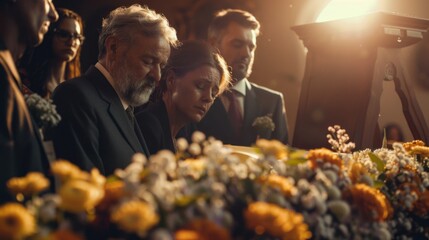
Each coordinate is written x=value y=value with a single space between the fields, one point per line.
x=65 y=35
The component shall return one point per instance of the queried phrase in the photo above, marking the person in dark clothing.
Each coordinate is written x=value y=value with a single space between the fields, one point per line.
x=23 y=24
x=194 y=76
x=98 y=129
x=233 y=116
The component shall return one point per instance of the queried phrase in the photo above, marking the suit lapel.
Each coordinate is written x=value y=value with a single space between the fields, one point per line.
x=141 y=139
x=115 y=108
x=250 y=108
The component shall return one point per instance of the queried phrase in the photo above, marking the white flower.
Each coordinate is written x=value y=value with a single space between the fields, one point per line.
x=132 y=172
x=195 y=149
x=198 y=137
x=181 y=144
x=43 y=111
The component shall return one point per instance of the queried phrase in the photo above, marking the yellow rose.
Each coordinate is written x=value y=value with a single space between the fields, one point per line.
x=66 y=170
x=31 y=184
x=135 y=217
x=79 y=195
x=283 y=223
x=281 y=183
x=272 y=148
x=16 y=222
x=96 y=178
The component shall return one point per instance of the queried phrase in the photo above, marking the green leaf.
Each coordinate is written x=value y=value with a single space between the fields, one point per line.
x=384 y=143
x=375 y=159
x=186 y=200
x=298 y=153
x=378 y=184
x=296 y=161
x=112 y=178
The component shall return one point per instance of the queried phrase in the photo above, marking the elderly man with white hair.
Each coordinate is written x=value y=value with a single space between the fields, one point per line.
x=98 y=128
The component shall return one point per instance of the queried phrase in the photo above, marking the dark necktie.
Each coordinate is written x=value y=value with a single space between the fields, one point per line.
x=234 y=113
x=130 y=115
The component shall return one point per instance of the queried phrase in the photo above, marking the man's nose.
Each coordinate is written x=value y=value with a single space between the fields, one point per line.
x=155 y=72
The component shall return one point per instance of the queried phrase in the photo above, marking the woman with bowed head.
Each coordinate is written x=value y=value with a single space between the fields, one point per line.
x=194 y=76
x=58 y=57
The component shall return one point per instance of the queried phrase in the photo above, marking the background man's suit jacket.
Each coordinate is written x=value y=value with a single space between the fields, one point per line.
x=259 y=101
x=95 y=130
x=21 y=149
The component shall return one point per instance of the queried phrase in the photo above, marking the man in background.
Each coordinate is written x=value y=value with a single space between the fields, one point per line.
x=22 y=24
x=98 y=128
x=247 y=111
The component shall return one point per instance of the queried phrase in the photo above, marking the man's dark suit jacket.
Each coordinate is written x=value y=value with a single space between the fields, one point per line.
x=95 y=130
x=21 y=149
x=259 y=101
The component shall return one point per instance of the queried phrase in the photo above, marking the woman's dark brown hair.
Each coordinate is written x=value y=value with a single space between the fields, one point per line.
x=37 y=62
x=191 y=55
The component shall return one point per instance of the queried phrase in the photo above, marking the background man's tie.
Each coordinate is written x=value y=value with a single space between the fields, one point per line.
x=234 y=113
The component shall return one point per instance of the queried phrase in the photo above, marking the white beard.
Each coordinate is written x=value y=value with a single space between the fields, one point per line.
x=134 y=90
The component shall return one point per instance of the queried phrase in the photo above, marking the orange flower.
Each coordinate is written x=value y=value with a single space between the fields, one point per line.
x=66 y=170
x=16 y=222
x=370 y=202
x=272 y=148
x=325 y=155
x=114 y=190
x=135 y=217
x=356 y=171
x=79 y=195
x=409 y=145
x=202 y=229
x=186 y=235
x=283 y=223
x=32 y=183
x=283 y=184
x=420 y=150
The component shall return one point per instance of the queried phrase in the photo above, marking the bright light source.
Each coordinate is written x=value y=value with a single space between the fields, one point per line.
x=338 y=9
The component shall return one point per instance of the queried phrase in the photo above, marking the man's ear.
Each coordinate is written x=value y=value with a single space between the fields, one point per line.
x=111 y=46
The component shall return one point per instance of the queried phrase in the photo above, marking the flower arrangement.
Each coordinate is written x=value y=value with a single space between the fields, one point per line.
x=206 y=192
x=43 y=111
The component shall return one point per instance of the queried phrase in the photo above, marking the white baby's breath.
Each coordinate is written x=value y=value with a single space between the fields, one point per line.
x=43 y=111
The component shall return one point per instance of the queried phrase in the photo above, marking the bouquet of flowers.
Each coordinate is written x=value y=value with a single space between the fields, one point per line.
x=43 y=111
x=205 y=191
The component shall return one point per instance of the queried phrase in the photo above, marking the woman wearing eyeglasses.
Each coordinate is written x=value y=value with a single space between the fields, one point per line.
x=58 y=57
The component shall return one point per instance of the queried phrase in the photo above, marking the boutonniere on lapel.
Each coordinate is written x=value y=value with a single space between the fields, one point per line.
x=264 y=126
x=43 y=111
